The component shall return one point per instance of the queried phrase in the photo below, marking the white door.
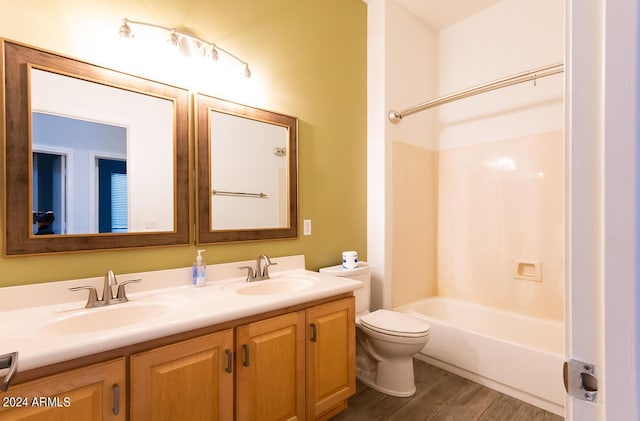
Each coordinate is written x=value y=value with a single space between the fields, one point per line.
x=601 y=208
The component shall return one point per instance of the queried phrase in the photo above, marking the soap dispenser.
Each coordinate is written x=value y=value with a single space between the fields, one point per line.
x=199 y=271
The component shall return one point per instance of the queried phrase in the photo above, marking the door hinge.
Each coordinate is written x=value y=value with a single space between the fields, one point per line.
x=580 y=380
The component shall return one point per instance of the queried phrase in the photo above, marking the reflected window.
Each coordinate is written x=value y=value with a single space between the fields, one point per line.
x=119 y=203
x=113 y=205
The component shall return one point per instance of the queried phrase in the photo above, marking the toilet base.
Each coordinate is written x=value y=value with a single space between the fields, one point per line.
x=369 y=379
x=394 y=378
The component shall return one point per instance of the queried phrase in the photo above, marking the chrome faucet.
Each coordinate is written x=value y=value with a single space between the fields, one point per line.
x=107 y=291
x=109 y=281
x=261 y=271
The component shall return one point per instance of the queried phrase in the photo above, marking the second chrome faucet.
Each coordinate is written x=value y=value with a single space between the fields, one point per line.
x=107 y=291
x=261 y=271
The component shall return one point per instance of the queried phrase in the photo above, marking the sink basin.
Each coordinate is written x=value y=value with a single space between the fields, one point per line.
x=104 y=318
x=281 y=285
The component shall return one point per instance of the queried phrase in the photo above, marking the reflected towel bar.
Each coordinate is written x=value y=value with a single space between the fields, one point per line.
x=396 y=116
x=239 y=194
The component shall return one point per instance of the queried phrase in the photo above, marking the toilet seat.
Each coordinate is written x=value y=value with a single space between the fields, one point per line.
x=394 y=323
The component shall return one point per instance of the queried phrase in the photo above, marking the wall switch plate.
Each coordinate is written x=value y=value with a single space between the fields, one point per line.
x=306 y=230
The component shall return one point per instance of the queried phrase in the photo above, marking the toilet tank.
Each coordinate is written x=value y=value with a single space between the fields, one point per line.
x=363 y=274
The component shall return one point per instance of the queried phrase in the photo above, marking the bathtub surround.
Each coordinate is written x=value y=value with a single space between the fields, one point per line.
x=415 y=209
x=500 y=203
x=476 y=185
x=479 y=210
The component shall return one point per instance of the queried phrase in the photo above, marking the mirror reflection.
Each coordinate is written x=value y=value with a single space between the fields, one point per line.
x=79 y=174
x=246 y=173
x=98 y=159
x=249 y=173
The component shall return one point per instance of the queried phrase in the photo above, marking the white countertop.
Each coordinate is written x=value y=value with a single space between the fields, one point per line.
x=31 y=315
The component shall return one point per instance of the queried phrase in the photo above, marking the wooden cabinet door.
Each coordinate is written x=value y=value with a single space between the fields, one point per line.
x=96 y=392
x=189 y=380
x=270 y=375
x=331 y=353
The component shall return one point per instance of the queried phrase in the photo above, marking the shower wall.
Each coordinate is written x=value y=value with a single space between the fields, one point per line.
x=500 y=212
x=492 y=179
x=415 y=229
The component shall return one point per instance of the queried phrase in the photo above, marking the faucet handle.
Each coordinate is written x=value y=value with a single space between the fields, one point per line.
x=93 y=295
x=121 y=296
x=250 y=275
x=265 y=270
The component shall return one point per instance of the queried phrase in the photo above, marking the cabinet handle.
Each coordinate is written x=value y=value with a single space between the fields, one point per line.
x=246 y=355
x=229 y=367
x=116 y=399
x=314 y=333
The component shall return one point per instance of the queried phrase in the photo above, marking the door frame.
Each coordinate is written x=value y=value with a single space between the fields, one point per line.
x=602 y=203
x=67 y=215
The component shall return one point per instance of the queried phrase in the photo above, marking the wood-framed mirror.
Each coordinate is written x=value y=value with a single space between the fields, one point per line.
x=94 y=159
x=246 y=173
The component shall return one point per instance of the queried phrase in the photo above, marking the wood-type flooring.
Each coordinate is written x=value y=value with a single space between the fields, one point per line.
x=440 y=396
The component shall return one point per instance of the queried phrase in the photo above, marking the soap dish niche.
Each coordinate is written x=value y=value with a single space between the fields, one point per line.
x=528 y=270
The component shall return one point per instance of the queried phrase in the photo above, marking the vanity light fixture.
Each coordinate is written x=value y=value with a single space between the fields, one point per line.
x=177 y=39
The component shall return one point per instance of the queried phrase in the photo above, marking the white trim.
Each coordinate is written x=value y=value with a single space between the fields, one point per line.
x=378 y=159
x=620 y=243
x=69 y=214
x=601 y=166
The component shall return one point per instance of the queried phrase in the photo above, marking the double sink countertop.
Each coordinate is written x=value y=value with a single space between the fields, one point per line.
x=47 y=323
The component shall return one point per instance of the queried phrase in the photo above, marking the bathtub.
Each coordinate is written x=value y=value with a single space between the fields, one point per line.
x=515 y=354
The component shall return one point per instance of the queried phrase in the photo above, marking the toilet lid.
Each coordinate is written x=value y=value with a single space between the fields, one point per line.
x=395 y=323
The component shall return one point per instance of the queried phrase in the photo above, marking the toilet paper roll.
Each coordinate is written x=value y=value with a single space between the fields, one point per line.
x=349 y=259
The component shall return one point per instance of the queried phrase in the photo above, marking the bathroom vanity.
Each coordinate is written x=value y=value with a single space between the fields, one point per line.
x=283 y=348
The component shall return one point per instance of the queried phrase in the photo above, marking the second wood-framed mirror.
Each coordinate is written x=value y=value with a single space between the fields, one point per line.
x=94 y=158
x=246 y=173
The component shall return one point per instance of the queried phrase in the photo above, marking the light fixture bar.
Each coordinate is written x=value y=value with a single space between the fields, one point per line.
x=125 y=31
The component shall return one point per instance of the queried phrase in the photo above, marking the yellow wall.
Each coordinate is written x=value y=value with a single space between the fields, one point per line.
x=308 y=59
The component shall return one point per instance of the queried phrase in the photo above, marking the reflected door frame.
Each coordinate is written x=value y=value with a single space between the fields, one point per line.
x=66 y=215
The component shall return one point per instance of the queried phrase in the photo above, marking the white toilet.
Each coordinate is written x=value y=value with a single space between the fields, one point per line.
x=386 y=340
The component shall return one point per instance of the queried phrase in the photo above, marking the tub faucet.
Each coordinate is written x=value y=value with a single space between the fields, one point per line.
x=261 y=271
x=107 y=291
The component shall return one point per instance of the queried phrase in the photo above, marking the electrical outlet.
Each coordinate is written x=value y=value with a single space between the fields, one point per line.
x=306 y=230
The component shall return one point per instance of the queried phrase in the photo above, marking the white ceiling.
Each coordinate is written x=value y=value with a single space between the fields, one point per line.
x=440 y=13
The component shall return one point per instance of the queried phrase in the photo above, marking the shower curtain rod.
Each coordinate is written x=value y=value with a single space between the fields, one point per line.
x=552 y=69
